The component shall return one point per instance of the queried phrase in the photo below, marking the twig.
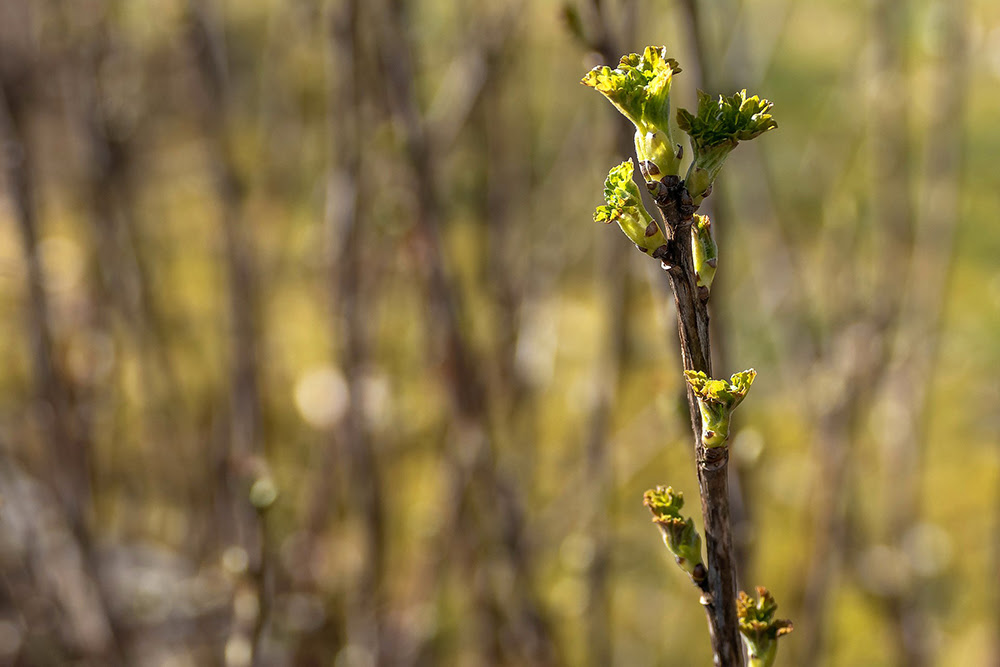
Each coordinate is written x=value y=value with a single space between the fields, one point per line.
x=674 y=204
x=707 y=77
x=640 y=88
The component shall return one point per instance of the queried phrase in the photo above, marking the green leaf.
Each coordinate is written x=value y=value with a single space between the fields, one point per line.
x=640 y=89
x=623 y=204
x=715 y=131
x=663 y=501
x=759 y=628
x=717 y=399
x=726 y=120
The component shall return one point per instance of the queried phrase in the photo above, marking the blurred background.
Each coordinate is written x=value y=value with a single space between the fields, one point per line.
x=313 y=355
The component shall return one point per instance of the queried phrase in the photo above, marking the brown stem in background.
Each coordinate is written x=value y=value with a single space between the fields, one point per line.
x=133 y=317
x=66 y=436
x=906 y=393
x=610 y=283
x=63 y=436
x=488 y=521
x=610 y=276
x=859 y=366
x=345 y=226
x=242 y=463
x=867 y=352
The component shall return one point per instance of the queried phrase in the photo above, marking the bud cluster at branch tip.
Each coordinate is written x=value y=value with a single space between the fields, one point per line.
x=640 y=89
x=720 y=125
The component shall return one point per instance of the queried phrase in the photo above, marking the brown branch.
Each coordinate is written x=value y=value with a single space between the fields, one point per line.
x=676 y=209
x=674 y=203
x=707 y=76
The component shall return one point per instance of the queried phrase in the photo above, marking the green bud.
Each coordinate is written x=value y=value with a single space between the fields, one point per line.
x=640 y=89
x=623 y=204
x=759 y=628
x=704 y=250
x=716 y=130
x=654 y=150
x=717 y=399
x=679 y=534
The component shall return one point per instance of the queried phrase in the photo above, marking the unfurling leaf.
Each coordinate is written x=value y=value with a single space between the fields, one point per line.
x=679 y=533
x=759 y=628
x=640 y=89
x=623 y=204
x=715 y=131
x=717 y=399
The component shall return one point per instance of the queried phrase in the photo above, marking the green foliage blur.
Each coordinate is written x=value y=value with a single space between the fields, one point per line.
x=314 y=355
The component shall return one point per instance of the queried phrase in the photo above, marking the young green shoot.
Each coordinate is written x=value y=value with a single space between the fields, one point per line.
x=623 y=204
x=640 y=89
x=720 y=125
x=679 y=533
x=717 y=399
x=759 y=628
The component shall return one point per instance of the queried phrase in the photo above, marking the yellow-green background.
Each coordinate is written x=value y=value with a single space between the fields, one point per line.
x=518 y=174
